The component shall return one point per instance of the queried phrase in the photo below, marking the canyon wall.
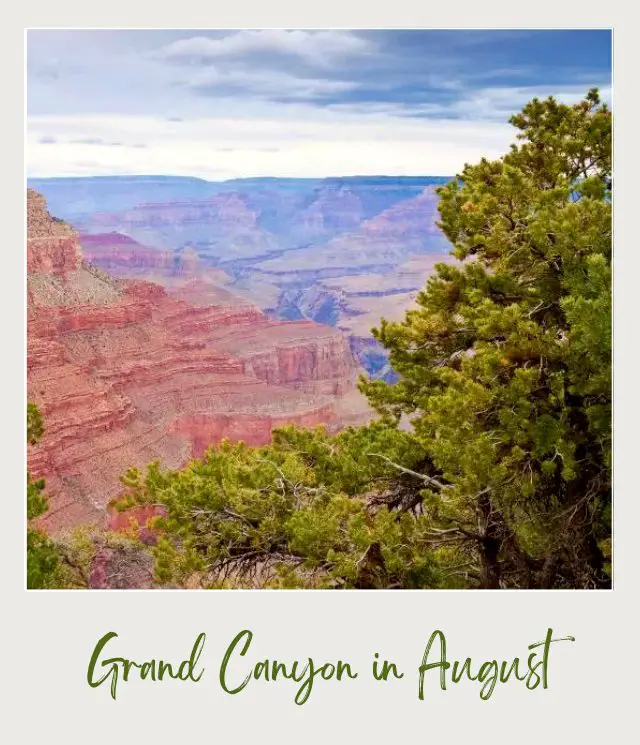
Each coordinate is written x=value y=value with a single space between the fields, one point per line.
x=343 y=252
x=115 y=252
x=52 y=246
x=127 y=371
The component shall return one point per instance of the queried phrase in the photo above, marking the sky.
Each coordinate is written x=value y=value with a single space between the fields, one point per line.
x=299 y=103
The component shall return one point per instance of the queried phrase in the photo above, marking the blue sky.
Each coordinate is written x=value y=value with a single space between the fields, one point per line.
x=224 y=104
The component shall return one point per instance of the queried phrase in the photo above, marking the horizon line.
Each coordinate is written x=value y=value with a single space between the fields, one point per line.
x=236 y=178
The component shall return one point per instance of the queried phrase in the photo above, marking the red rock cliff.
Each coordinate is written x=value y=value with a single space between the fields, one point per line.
x=52 y=246
x=115 y=252
x=126 y=373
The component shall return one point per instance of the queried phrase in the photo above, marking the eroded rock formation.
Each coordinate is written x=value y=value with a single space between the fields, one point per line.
x=126 y=372
x=339 y=251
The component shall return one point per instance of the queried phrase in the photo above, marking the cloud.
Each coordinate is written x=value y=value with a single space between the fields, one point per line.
x=47 y=73
x=320 y=48
x=104 y=143
x=228 y=103
x=257 y=64
x=265 y=84
x=93 y=141
x=302 y=142
x=479 y=105
x=498 y=104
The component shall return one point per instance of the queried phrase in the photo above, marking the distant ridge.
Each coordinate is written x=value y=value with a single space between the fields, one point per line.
x=142 y=178
x=74 y=197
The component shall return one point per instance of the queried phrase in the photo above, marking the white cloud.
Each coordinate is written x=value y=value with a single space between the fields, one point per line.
x=300 y=142
x=321 y=48
x=267 y=83
x=498 y=104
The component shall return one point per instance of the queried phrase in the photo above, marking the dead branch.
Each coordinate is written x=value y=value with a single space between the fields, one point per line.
x=422 y=476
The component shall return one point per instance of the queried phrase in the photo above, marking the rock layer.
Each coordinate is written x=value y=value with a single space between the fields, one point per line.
x=126 y=372
x=115 y=252
x=52 y=246
x=338 y=251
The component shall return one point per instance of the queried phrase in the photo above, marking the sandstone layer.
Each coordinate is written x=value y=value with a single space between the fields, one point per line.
x=127 y=372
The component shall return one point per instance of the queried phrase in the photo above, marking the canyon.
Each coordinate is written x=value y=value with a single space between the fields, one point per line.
x=343 y=252
x=166 y=314
x=127 y=371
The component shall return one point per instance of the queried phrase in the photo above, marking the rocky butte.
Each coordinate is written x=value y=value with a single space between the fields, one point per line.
x=128 y=371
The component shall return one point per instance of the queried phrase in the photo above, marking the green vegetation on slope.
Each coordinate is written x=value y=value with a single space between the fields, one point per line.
x=43 y=561
x=309 y=510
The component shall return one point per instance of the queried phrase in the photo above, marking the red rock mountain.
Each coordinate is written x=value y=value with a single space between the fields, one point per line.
x=127 y=371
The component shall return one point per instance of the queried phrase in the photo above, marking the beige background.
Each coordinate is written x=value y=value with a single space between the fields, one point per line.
x=48 y=636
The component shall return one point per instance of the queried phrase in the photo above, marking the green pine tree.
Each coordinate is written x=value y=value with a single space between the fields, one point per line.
x=43 y=560
x=503 y=478
x=505 y=365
